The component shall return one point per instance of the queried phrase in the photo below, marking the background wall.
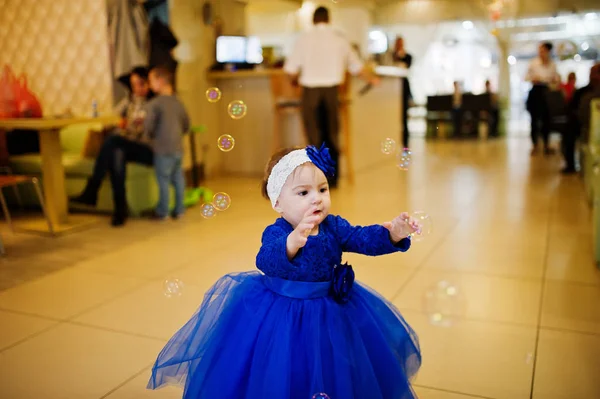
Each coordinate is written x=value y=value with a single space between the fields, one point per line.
x=62 y=46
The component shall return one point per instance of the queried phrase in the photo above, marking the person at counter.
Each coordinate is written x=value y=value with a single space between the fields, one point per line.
x=318 y=62
x=541 y=73
x=404 y=60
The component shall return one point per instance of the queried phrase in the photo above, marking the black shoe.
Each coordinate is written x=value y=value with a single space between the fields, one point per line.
x=568 y=171
x=85 y=199
x=119 y=218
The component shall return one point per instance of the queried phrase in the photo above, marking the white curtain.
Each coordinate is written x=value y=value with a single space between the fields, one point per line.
x=128 y=35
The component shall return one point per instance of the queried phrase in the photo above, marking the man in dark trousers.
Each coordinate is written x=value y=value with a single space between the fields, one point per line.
x=404 y=60
x=319 y=62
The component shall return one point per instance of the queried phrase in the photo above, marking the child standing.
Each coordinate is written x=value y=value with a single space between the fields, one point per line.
x=302 y=326
x=166 y=122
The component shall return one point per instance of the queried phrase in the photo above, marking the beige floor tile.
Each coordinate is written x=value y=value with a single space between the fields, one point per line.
x=428 y=393
x=567 y=366
x=571 y=259
x=136 y=389
x=73 y=362
x=147 y=311
x=148 y=260
x=570 y=306
x=65 y=293
x=480 y=297
x=382 y=273
x=477 y=358
x=16 y=327
x=501 y=261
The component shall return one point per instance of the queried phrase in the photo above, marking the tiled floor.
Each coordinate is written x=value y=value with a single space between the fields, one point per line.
x=84 y=316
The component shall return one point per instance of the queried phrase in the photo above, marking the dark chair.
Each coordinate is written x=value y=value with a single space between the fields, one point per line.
x=439 y=112
x=557 y=106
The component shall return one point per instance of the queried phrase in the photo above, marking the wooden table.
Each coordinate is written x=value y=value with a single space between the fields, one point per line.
x=53 y=173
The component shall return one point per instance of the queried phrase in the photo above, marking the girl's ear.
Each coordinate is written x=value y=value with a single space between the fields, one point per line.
x=277 y=207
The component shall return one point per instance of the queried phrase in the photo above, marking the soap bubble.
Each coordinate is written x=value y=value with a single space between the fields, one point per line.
x=221 y=201
x=172 y=287
x=237 y=109
x=213 y=94
x=404 y=159
x=426 y=224
x=225 y=142
x=444 y=304
x=208 y=211
x=320 y=395
x=388 y=146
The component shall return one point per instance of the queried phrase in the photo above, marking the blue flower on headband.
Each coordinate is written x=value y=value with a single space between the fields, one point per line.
x=321 y=158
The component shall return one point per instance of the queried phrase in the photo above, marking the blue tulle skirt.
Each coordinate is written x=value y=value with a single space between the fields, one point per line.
x=258 y=337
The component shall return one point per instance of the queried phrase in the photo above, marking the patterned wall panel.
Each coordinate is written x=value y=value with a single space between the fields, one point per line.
x=62 y=46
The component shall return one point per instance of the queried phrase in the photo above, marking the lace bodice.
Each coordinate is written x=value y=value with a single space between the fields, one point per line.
x=322 y=252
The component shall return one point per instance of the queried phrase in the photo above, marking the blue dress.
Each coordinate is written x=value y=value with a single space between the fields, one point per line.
x=299 y=328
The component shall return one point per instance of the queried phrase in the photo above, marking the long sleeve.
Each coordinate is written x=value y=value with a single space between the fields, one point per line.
x=369 y=240
x=293 y=62
x=150 y=119
x=355 y=65
x=529 y=77
x=272 y=257
x=121 y=107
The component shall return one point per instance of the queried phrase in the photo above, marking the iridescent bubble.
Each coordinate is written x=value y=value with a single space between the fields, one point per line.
x=444 y=304
x=237 y=109
x=173 y=287
x=320 y=395
x=213 y=94
x=425 y=223
x=208 y=211
x=221 y=201
x=388 y=146
x=225 y=142
x=404 y=159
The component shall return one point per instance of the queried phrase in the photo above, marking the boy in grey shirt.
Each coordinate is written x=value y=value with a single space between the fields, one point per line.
x=165 y=123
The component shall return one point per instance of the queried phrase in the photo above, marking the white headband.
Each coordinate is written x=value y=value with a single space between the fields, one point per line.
x=282 y=170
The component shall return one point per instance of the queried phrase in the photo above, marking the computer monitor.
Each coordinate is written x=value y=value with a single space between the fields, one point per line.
x=231 y=49
x=239 y=50
x=253 y=50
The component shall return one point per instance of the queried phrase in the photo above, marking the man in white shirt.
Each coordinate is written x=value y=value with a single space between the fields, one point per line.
x=541 y=72
x=319 y=61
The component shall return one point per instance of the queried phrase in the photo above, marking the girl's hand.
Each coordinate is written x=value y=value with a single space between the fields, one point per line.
x=297 y=239
x=402 y=226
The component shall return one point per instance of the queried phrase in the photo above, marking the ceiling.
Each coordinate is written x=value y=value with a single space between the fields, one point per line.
x=389 y=12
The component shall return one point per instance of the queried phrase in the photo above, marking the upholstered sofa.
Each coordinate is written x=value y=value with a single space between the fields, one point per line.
x=142 y=190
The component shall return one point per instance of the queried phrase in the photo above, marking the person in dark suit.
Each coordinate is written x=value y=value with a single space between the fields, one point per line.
x=404 y=59
x=541 y=73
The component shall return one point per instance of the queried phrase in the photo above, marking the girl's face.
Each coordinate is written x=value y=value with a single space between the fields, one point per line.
x=305 y=188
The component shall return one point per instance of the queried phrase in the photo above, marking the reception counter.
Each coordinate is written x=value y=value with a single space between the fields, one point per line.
x=273 y=118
